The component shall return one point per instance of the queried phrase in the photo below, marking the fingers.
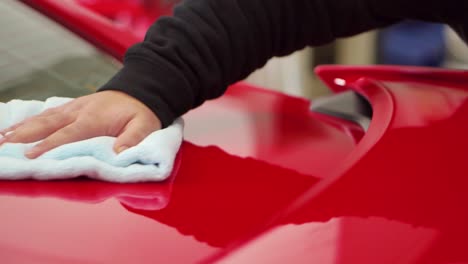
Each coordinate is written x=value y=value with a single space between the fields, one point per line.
x=71 y=133
x=35 y=129
x=135 y=131
x=11 y=129
x=89 y=116
x=46 y=113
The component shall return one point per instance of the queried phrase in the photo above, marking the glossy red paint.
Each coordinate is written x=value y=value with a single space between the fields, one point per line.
x=263 y=180
x=150 y=9
x=400 y=196
x=138 y=15
x=271 y=127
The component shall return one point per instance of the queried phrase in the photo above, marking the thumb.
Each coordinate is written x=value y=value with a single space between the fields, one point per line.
x=135 y=131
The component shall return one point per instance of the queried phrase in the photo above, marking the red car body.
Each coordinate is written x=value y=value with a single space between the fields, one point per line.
x=260 y=178
x=137 y=15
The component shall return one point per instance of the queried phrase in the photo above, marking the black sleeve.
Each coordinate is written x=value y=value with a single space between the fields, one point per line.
x=208 y=44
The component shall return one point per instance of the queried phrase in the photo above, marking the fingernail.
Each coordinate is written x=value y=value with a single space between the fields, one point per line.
x=4 y=137
x=31 y=153
x=122 y=148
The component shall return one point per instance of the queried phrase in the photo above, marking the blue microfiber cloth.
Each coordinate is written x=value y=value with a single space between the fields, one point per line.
x=151 y=160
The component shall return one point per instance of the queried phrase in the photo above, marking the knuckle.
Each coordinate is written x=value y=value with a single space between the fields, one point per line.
x=83 y=124
x=46 y=122
x=85 y=119
x=70 y=130
x=138 y=135
x=50 y=111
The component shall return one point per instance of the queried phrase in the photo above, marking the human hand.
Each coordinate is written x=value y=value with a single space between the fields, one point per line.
x=108 y=113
